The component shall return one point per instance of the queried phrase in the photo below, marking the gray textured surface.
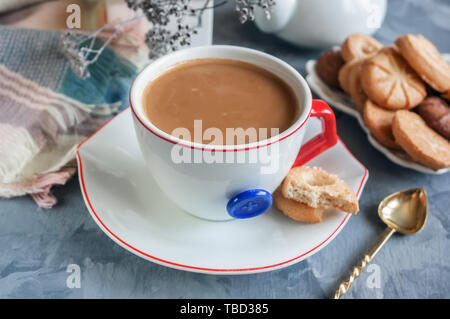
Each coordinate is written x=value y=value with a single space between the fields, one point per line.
x=36 y=246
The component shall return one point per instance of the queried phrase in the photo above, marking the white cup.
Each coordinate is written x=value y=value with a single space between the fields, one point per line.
x=239 y=185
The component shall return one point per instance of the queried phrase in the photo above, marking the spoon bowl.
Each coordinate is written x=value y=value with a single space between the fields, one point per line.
x=405 y=211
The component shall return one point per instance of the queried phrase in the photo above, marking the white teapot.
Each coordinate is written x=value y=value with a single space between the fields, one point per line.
x=321 y=23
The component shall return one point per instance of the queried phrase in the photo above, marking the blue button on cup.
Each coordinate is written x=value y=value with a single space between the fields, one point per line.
x=249 y=203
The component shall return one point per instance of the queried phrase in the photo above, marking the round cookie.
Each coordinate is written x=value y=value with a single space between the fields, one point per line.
x=426 y=60
x=328 y=66
x=359 y=46
x=379 y=122
x=420 y=141
x=358 y=95
x=297 y=211
x=436 y=113
x=390 y=82
x=343 y=76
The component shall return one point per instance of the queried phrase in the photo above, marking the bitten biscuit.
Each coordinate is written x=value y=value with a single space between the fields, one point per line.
x=328 y=66
x=297 y=211
x=358 y=95
x=426 y=60
x=379 y=122
x=436 y=113
x=317 y=188
x=390 y=82
x=421 y=142
x=359 y=46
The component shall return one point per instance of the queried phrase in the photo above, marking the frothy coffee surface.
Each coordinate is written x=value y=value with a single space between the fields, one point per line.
x=222 y=94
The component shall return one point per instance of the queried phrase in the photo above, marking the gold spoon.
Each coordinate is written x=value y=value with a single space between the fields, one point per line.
x=405 y=212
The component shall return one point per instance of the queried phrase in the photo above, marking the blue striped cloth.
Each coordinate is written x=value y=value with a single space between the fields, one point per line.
x=46 y=110
x=35 y=55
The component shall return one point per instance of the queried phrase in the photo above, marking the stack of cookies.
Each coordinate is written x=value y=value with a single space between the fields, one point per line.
x=307 y=192
x=400 y=91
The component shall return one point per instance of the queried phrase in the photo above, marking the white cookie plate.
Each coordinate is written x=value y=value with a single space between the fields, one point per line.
x=343 y=102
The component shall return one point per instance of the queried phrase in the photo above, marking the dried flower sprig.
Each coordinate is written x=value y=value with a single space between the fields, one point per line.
x=81 y=51
x=161 y=39
x=246 y=8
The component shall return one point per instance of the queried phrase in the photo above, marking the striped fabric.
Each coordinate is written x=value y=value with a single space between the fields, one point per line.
x=45 y=110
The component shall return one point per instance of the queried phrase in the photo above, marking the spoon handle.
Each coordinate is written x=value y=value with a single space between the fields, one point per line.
x=368 y=256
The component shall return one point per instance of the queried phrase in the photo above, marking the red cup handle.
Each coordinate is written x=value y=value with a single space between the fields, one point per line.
x=322 y=141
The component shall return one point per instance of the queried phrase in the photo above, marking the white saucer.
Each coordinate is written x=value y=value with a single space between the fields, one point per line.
x=344 y=103
x=127 y=205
